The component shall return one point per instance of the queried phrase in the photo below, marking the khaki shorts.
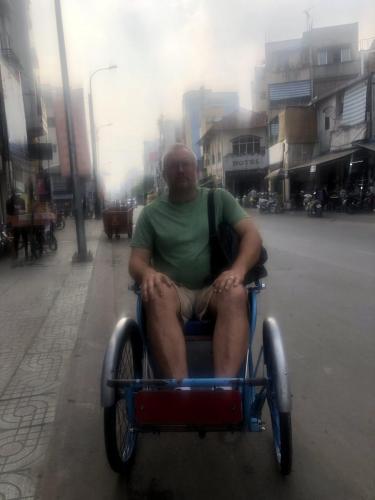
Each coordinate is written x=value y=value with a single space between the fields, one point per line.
x=193 y=302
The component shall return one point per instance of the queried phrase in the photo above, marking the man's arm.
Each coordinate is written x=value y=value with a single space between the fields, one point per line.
x=250 y=246
x=139 y=263
x=248 y=255
x=140 y=269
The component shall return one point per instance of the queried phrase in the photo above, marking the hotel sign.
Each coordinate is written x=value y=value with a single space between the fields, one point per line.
x=248 y=162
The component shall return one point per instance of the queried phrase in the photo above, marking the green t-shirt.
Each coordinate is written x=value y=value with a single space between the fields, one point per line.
x=177 y=234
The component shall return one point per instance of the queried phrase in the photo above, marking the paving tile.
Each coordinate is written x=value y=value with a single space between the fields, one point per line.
x=40 y=311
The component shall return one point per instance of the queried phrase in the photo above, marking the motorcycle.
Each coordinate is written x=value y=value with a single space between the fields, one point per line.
x=60 y=221
x=263 y=203
x=351 y=203
x=312 y=205
x=274 y=204
x=5 y=240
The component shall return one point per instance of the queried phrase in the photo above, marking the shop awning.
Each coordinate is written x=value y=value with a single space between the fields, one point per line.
x=369 y=145
x=273 y=174
x=324 y=159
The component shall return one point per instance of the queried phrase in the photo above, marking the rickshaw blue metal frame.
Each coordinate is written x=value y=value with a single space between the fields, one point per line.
x=255 y=388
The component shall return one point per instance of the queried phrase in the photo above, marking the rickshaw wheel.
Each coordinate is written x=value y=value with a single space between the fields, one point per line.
x=120 y=439
x=52 y=243
x=277 y=388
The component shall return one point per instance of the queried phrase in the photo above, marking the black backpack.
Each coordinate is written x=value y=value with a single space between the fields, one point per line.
x=224 y=247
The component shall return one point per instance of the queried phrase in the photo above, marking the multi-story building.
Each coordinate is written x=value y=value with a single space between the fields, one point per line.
x=297 y=70
x=303 y=86
x=58 y=165
x=23 y=120
x=344 y=154
x=291 y=137
x=200 y=109
x=169 y=133
x=151 y=161
x=234 y=151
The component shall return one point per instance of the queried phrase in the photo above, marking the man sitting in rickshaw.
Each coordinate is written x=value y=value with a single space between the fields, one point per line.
x=170 y=260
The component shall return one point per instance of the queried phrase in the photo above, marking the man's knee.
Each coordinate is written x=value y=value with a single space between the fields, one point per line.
x=234 y=298
x=162 y=300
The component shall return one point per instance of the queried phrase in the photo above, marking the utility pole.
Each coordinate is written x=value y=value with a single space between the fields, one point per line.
x=97 y=202
x=82 y=255
x=97 y=207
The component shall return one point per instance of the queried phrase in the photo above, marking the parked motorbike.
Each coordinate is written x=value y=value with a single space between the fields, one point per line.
x=269 y=203
x=312 y=205
x=351 y=202
x=368 y=203
x=263 y=204
x=5 y=240
x=60 y=221
x=275 y=206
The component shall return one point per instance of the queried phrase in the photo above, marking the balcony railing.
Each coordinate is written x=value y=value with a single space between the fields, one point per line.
x=367 y=43
x=11 y=57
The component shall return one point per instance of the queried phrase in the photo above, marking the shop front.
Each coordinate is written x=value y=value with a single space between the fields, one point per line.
x=333 y=172
x=244 y=173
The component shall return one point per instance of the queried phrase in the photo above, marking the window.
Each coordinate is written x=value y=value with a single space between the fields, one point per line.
x=327 y=123
x=336 y=56
x=346 y=54
x=213 y=158
x=54 y=148
x=339 y=104
x=219 y=156
x=246 y=145
x=322 y=57
x=274 y=131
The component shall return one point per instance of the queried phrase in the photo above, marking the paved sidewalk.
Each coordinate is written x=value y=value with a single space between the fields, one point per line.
x=41 y=305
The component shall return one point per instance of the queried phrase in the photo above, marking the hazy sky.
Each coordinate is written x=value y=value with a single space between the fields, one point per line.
x=165 y=47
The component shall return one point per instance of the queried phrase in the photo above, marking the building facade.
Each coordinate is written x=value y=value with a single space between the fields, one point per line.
x=22 y=114
x=318 y=97
x=170 y=132
x=151 y=162
x=200 y=109
x=296 y=71
x=58 y=165
x=234 y=151
x=344 y=154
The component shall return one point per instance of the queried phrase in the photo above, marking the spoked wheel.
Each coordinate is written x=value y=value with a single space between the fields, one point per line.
x=52 y=242
x=35 y=248
x=120 y=438
x=278 y=395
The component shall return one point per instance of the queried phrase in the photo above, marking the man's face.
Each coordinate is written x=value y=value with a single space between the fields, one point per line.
x=180 y=171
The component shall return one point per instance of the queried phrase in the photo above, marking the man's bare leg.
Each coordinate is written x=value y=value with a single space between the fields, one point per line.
x=165 y=333
x=231 y=330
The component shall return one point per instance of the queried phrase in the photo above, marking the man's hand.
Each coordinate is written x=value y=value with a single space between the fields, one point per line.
x=153 y=283
x=228 y=279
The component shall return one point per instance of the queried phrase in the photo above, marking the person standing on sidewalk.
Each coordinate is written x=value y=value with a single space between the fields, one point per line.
x=15 y=205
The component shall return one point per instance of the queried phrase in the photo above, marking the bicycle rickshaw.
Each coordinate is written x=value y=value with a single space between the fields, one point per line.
x=135 y=402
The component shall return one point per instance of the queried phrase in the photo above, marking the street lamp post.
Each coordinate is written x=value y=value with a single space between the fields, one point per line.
x=97 y=204
x=82 y=254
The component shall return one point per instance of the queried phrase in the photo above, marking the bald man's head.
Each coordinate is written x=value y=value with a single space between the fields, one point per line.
x=176 y=148
x=180 y=169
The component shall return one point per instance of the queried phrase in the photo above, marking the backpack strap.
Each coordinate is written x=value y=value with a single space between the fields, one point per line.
x=211 y=215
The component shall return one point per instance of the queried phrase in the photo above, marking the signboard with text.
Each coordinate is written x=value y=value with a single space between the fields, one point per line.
x=245 y=162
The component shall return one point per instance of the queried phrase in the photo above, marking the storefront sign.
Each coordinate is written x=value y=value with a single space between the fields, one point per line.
x=248 y=162
x=245 y=163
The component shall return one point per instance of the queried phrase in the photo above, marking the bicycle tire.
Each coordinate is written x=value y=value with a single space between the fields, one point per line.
x=120 y=441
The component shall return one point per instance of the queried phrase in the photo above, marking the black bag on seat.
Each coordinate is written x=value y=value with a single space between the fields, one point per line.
x=224 y=247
